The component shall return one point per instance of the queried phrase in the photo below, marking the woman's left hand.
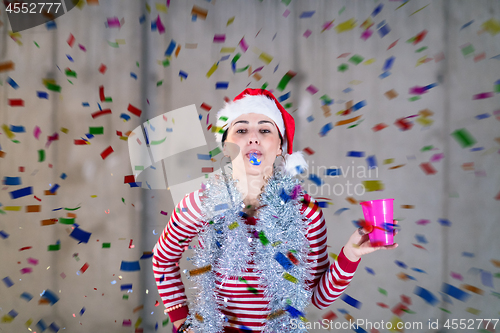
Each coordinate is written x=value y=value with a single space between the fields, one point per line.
x=359 y=245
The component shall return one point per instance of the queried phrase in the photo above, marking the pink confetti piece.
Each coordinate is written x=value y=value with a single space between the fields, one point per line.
x=243 y=45
x=366 y=34
x=113 y=22
x=312 y=89
x=127 y=322
x=63 y=275
x=456 y=276
x=438 y=57
x=483 y=95
x=159 y=25
x=286 y=13
x=437 y=157
x=423 y=222
x=26 y=270
x=327 y=26
x=428 y=168
x=32 y=261
x=307 y=33
x=36 y=132
x=343 y=55
x=82 y=47
x=219 y=38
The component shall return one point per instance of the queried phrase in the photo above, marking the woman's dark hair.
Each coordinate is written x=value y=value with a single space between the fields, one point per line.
x=224 y=137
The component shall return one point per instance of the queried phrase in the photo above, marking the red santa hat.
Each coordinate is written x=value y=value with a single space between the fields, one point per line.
x=263 y=102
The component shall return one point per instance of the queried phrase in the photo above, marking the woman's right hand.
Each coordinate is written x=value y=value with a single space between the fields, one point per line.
x=178 y=324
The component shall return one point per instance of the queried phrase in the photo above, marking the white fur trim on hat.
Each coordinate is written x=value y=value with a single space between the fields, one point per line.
x=249 y=104
x=295 y=163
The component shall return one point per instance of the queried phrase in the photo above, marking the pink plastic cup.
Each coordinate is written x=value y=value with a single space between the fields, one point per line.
x=379 y=214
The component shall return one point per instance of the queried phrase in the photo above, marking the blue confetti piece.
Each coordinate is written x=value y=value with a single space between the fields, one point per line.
x=82 y=311
x=384 y=75
x=421 y=239
x=135 y=184
x=370 y=271
x=340 y=211
x=354 y=153
x=85 y=104
x=13 y=313
x=132 y=74
x=54 y=188
x=226 y=57
x=446 y=298
x=43 y=94
x=170 y=48
x=283 y=261
x=89 y=136
x=487 y=279
x=343 y=311
x=322 y=204
x=400 y=264
x=153 y=26
x=27 y=296
x=80 y=235
x=477 y=149
x=372 y=162
x=142 y=19
x=359 y=329
x=284 y=97
x=221 y=207
x=183 y=74
x=125 y=116
x=56 y=209
x=50 y=25
x=455 y=292
x=221 y=85
x=193 y=18
x=482 y=116
x=358 y=105
x=3 y=234
x=310 y=118
x=430 y=86
x=12 y=181
x=50 y=296
x=315 y=179
x=63 y=176
x=467 y=24
x=444 y=222
x=307 y=14
x=130 y=266
x=468 y=254
x=347 y=90
x=384 y=30
x=206 y=157
x=351 y=301
x=388 y=64
x=333 y=172
x=426 y=295
x=126 y=286
x=200 y=117
x=294 y=313
x=12 y=83
x=146 y=256
x=377 y=10
x=380 y=24
x=284 y=195
x=54 y=327
x=41 y=324
x=8 y=282
x=418 y=270
x=169 y=129
x=69 y=58
x=244 y=329
x=21 y=192
x=325 y=129
x=276 y=68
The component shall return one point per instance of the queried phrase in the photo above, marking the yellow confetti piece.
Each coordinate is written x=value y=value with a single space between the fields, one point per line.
x=212 y=70
x=233 y=225
x=395 y=321
x=64 y=130
x=472 y=289
x=418 y=10
x=148 y=8
x=230 y=21
x=388 y=161
x=495 y=262
x=93 y=196
x=266 y=58
x=346 y=26
x=28 y=322
x=492 y=26
x=334 y=256
x=276 y=314
x=48 y=81
x=373 y=185
x=139 y=321
x=198 y=317
x=276 y=243
x=8 y=132
x=161 y=7
x=120 y=41
x=13 y=208
x=421 y=61
x=424 y=121
x=227 y=50
x=425 y=113
x=367 y=23
x=290 y=278
x=473 y=311
x=201 y=270
x=355 y=82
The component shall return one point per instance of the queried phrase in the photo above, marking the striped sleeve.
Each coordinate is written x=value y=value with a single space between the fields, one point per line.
x=329 y=281
x=183 y=225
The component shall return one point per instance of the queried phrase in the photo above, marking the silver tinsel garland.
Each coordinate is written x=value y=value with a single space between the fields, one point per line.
x=227 y=245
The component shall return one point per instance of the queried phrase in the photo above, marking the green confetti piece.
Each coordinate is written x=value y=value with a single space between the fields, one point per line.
x=426 y=148
x=70 y=73
x=343 y=67
x=41 y=155
x=264 y=86
x=113 y=44
x=289 y=277
x=16 y=141
x=495 y=294
x=408 y=311
x=106 y=245
x=242 y=69
x=263 y=238
x=421 y=49
x=326 y=99
x=108 y=99
x=341 y=10
x=137 y=63
x=72 y=209
x=165 y=322
x=253 y=290
x=2 y=212
x=36 y=44
x=54 y=247
x=469 y=49
x=356 y=59
x=166 y=63
x=215 y=152
x=233 y=225
x=286 y=2
x=123 y=200
x=443 y=309
x=414 y=98
x=236 y=57
x=158 y=142
x=96 y=130
x=288 y=105
x=139 y=167
x=54 y=87
x=464 y=138
x=411 y=40
x=242 y=279
x=497 y=275
x=497 y=88
x=223 y=118
x=125 y=296
x=70 y=81
x=63 y=220
x=382 y=291
x=159 y=83
x=284 y=81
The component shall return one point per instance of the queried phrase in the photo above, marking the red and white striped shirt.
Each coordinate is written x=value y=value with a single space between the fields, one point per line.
x=245 y=308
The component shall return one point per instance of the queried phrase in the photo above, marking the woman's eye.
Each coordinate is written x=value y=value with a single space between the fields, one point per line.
x=265 y=131
x=241 y=131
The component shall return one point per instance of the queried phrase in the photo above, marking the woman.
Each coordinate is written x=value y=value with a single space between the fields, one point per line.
x=262 y=256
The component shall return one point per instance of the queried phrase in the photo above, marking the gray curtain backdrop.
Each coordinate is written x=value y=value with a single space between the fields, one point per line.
x=428 y=113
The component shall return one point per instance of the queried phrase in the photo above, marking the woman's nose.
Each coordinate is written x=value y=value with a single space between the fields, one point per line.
x=253 y=138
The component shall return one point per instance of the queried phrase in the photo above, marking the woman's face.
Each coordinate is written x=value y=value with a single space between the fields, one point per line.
x=255 y=133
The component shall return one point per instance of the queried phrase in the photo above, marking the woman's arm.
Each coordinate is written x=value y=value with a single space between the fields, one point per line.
x=183 y=225
x=329 y=281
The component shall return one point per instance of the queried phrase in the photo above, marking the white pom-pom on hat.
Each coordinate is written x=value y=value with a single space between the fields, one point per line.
x=263 y=102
